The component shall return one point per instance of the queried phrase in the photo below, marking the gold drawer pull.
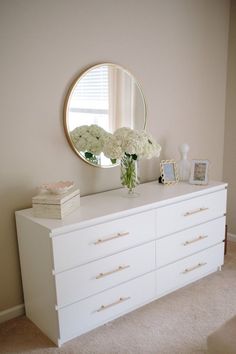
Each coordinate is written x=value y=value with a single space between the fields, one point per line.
x=121 y=299
x=199 y=265
x=118 y=235
x=186 y=243
x=119 y=269
x=195 y=211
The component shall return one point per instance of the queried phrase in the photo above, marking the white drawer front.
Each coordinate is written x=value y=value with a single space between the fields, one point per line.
x=92 y=278
x=85 y=245
x=185 y=243
x=182 y=215
x=189 y=269
x=87 y=314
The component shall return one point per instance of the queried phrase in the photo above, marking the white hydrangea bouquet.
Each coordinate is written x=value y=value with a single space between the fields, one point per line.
x=128 y=146
x=90 y=140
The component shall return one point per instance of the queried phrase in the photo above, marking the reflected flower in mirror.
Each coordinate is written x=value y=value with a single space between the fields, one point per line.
x=89 y=139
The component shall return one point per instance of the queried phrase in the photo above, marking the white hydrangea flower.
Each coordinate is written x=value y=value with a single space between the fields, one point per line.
x=122 y=133
x=112 y=148
x=96 y=131
x=132 y=144
x=89 y=138
x=78 y=133
x=150 y=147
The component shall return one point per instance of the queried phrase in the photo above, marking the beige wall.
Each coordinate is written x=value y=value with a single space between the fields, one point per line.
x=177 y=49
x=230 y=124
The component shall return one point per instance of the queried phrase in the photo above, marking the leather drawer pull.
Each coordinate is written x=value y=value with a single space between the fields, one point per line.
x=121 y=299
x=119 y=269
x=186 y=243
x=189 y=213
x=120 y=234
x=199 y=265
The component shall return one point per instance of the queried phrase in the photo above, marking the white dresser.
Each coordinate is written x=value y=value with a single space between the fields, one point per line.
x=115 y=254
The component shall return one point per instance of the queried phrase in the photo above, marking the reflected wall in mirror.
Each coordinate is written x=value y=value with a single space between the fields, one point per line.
x=105 y=95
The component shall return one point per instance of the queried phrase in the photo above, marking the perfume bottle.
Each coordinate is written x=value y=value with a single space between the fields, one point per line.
x=184 y=165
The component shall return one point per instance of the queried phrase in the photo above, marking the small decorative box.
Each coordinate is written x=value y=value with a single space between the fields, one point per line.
x=56 y=206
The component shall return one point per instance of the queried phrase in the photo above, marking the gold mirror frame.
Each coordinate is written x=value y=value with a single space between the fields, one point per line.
x=69 y=96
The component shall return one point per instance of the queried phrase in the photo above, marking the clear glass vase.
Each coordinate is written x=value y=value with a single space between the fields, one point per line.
x=129 y=173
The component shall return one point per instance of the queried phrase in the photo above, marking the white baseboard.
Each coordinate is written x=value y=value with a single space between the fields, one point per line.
x=12 y=313
x=231 y=237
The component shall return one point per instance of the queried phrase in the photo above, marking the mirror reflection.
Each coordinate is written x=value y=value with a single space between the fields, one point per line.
x=108 y=96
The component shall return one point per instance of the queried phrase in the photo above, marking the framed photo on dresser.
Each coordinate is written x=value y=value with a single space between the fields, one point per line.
x=199 y=172
x=169 y=174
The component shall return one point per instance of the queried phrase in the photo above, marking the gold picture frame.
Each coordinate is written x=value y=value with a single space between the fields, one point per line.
x=169 y=173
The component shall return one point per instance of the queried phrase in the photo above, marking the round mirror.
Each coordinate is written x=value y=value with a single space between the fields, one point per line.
x=105 y=96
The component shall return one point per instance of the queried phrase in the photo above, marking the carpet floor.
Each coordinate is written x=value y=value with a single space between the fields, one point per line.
x=178 y=323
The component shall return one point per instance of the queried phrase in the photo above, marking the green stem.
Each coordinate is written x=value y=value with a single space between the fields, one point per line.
x=129 y=172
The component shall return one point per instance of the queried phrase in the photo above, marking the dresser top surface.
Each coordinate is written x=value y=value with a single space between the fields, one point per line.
x=105 y=206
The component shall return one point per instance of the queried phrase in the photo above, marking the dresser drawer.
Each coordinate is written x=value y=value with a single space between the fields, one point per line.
x=85 y=245
x=182 y=215
x=92 y=278
x=178 y=274
x=184 y=243
x=87 y=314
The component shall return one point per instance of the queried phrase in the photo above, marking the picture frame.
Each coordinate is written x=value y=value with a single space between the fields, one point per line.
x=199 y=172
x=169 y=174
